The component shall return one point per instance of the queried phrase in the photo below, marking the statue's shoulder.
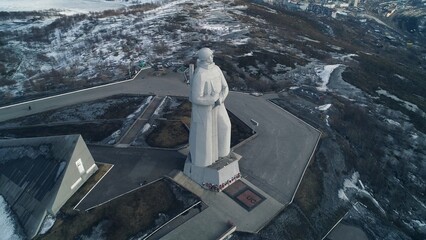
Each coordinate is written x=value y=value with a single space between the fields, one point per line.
x=216 y=67
x=201 y=71
x=198 y=72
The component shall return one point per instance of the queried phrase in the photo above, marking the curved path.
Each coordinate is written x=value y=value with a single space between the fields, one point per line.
x=144 y=83
x=274 y=161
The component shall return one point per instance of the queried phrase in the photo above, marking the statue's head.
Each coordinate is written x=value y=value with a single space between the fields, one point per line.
x=205 y=55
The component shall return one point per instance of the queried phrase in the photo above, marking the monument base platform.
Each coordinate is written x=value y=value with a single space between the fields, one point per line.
x=217 y=176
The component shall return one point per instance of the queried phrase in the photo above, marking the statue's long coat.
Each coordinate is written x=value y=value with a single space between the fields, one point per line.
x=210 y=133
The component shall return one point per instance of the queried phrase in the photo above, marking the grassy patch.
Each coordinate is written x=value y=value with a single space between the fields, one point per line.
x=172 y=132
x=168 y=134
x=181 y=113
x=95 y=120
x=114 y=107
x=123 y=108
x=123 y=217
x=310 y=191
x=91 y=132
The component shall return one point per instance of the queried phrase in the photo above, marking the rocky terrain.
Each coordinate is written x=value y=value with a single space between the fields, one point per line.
x=358 y=80
x=408 y=15
x=373 y=146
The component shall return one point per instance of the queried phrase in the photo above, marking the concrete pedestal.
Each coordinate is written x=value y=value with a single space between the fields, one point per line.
x=217 y=176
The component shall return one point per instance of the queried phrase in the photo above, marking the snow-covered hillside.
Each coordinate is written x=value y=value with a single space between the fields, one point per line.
x=367 y=98
x=74 y=6
x=51 y=51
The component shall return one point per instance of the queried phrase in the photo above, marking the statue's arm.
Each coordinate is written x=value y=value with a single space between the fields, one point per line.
x=197 y=92
x=225 y=89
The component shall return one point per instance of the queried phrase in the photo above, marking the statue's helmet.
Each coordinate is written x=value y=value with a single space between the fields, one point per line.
x=204 y=54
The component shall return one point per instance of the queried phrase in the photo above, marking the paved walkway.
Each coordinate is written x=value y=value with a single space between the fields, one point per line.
x=134 y=130
x=276 y=159
x=132 y=166
x=178 y=221
x=222 y=210
x=145 y=83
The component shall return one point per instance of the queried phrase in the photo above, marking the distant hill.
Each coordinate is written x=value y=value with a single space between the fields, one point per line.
x=78 y=6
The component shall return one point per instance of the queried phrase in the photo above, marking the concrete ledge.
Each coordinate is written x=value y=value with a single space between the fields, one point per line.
x=134 y=123
x=217 y=176
x=245 y=141
x=227 y=233
x=213 y=222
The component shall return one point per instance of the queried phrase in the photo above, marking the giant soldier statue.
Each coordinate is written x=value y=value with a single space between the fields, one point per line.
x=210 y=132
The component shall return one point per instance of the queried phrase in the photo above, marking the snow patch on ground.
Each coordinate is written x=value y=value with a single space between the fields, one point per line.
x=84 y=112
x=250 y=54
x=324 y=75
x=399 y=76
x=410 y=106
x=324 y=107
x=47 y=224
x=346 y=57
x=114 y=136
x=97 y=232
x=267 y=8
x=392 y=122
x=141 y=107
x=326 y=120
x=146 y=127
x=309 y=39
x=160 y=107
x=419 y=223
x=7 y=224
x=350 y=185
x=238 y=42
x=342 y=195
